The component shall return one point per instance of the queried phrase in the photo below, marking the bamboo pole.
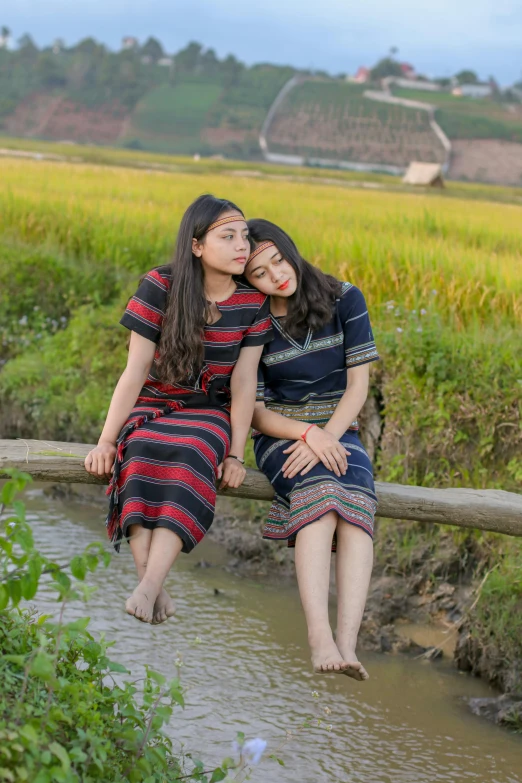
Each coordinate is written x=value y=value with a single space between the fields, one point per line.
x=483 y=509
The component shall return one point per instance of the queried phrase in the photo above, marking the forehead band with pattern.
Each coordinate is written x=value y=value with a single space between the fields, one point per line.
x=223 y=221
x=259 y=249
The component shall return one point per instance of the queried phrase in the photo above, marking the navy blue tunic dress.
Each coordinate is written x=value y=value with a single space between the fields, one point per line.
x=305 y=380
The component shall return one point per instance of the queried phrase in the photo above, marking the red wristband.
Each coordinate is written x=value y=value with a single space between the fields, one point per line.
x=307 y=430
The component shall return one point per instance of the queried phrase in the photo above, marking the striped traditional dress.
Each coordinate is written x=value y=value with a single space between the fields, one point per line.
x=176 y=436
x=305 y=380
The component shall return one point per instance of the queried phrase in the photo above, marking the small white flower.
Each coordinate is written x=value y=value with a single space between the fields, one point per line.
x=23 y=320
x=329 y=727
x=419 y=329
x=253 y=750
x=423 y=311
x=399 y=329
x=414 y=312
x=36 y=308
x=434 y=292
x=327 y=710
x=315 y=694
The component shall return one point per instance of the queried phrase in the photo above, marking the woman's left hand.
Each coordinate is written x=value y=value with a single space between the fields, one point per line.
x=301 y=460
x=231 y=472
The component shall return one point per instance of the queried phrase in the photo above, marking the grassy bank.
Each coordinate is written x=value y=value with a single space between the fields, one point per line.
x=442 y=277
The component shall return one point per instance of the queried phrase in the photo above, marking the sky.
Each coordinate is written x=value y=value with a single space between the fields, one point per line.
x=439 y=37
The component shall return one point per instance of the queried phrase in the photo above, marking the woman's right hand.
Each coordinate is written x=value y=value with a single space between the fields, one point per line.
x=330 y=451
x=100 y=460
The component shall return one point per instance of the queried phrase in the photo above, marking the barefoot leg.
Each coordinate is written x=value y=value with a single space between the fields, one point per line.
x=312 y=563
x=163 y=608
x=165 y=546
x=139 y=541
x=353 y=571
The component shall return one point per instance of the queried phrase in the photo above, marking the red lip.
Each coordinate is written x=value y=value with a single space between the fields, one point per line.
x=241 y=259
x=283 y=286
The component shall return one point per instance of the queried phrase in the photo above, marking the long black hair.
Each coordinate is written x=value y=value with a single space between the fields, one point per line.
x=312 y=305
x=181 y=352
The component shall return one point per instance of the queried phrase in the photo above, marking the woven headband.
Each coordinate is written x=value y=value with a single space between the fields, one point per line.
x=259 y=249
x=223 y=221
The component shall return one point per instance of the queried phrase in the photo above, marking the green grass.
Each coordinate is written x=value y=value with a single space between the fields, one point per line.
x=470 y=118
x=178 y=110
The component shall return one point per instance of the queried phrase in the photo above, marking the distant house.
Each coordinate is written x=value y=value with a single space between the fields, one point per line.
x=362 y=76
x=408 y=71
x=129 y=42
x=473 y=90
x=166 y=62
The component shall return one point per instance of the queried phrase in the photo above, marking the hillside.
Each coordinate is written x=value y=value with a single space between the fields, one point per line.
x=195 y=103
x=471 y=118
x=333 y=120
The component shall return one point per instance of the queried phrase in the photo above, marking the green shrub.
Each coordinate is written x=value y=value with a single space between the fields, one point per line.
x=40 y=289
x=64 y=717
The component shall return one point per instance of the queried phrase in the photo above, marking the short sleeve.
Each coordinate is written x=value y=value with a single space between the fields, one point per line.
x=260 y=331
x=145 y=310
x=359 y=344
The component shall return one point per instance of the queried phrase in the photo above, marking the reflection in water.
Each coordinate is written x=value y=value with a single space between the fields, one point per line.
x=245 y=668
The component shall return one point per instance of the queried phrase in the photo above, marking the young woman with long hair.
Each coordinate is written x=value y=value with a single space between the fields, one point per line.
x=181 y=411
x=313 y=381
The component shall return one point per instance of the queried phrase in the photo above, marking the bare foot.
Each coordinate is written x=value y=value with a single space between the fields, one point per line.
x=353 y=667
x=163 y=608
x=141 y=603
x=326 y=657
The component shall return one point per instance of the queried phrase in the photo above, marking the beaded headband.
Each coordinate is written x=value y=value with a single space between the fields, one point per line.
x=259 y=249
x=223 y=221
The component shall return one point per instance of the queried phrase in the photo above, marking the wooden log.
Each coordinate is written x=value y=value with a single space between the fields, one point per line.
x=483 y=509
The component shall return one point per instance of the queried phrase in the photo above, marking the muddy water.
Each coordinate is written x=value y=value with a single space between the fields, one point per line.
x=245 y=668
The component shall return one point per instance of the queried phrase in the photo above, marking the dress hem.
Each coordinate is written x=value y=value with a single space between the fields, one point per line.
x=291 y=537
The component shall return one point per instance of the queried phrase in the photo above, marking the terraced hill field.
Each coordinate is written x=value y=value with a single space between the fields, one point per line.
x=333 y=120
x=471 y=118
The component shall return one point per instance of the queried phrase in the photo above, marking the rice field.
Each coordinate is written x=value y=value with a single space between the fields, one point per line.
x=442 y=277
x=461 y=257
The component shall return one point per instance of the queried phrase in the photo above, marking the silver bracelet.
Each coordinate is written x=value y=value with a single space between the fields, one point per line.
x=233 y=456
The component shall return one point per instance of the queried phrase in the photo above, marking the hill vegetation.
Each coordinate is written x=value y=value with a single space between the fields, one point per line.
x=334 y=120
x=191 y=102
x=471 y=118
x=194 y=102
